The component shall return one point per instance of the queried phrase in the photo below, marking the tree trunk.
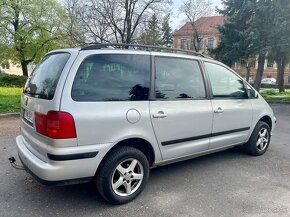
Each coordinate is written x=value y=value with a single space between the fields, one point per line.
x=248 y=73
x=24 y=68
x=260 y=71
x=280 y=74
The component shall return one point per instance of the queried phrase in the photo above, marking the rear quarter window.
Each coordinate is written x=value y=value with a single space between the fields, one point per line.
x=44 y=79
x=112 y=77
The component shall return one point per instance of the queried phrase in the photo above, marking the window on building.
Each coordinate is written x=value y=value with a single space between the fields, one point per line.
x=270 y=64
x=210 y=42
x=248 y=63
x=289 y=79
x=200 y=44
x=187 y=44
x=6 y=65
x=191 y=44
x=182 y=43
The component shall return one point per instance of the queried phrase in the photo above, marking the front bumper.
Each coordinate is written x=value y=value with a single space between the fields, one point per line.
x=65 y=165
x=274 y=122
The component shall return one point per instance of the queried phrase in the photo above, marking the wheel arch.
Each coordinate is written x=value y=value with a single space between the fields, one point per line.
x=141 y=144
x=267 y=120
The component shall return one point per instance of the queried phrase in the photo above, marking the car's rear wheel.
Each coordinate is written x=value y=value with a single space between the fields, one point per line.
x=259 y=140
x=123 y=175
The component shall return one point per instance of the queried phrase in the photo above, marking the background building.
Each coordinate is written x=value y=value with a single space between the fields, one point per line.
x=10 y=68
x=270 y=70
x=14 y=69
x=207 y=28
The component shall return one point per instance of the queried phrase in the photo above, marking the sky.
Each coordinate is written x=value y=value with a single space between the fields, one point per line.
x=177 y=20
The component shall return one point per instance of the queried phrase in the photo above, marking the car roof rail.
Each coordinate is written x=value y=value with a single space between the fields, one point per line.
x=95 y=46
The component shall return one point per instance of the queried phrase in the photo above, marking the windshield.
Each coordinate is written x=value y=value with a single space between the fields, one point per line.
x=44 y=78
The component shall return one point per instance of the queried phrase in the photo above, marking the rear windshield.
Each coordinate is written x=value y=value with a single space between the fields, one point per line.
x=44 y=78
x=112 y=77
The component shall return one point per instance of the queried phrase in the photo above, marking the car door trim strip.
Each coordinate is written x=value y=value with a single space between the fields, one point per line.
x=175 y=141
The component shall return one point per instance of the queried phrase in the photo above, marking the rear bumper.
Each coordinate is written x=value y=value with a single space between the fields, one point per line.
x=65 y=165
x=55 y=183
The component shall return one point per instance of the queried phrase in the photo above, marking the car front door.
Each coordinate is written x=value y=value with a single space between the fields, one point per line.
x=180 y=111
x=231 y=106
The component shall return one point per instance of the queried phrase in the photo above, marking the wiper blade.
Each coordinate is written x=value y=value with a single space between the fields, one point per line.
x=31 y=93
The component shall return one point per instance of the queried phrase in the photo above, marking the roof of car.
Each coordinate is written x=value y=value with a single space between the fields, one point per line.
x=131 y=47
x=139 y=47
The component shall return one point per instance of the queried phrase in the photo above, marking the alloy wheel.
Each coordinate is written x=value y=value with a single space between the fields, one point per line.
x=127 y=177
x=262 y=139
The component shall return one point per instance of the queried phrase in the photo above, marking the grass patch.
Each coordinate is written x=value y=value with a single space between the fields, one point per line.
x=274 y=95
x=10 y=99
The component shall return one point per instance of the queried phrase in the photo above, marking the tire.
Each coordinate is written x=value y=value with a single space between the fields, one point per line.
x=259 y=140
x=123 y=175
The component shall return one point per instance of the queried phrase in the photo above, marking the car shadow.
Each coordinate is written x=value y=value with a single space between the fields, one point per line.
x=82 y=198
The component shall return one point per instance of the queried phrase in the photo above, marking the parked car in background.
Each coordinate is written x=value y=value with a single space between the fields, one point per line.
x=107 y=114
x=268 y=81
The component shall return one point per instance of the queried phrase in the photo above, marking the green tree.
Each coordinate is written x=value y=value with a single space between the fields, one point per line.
x=153 y=34
x=260 y=35
x=234 y=44
x=246 y=33
x=167 y=37
x=31 y=28
x=280 y=51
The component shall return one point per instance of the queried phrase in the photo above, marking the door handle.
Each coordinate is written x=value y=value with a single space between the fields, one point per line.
x=160 y=114
x=219 y=110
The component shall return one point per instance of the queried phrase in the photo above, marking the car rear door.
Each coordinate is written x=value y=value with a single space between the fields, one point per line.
x=232 y=109
x=180 y=110
x=42 y=93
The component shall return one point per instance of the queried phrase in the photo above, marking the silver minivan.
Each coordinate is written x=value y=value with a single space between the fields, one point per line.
x=107 y=115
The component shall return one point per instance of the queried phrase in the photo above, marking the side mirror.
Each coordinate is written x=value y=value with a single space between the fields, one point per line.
x=252 y=93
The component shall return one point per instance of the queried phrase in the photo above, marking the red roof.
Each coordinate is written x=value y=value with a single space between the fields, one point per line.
x=204 y=25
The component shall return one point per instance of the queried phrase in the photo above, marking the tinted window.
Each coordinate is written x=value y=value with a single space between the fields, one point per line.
x=44 y=78
x=178 y=79
x=112 y=77
x=225 y=83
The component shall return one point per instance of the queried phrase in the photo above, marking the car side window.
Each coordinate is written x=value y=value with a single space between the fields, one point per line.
x=178 y=78
x=224 y=83
x=112 y=77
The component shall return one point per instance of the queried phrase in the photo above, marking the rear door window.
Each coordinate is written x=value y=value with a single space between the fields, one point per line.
x=44 y=78
x=178 y=79
x=112 y=77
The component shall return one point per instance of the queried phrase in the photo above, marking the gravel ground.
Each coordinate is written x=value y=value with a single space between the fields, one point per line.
x=228 y=183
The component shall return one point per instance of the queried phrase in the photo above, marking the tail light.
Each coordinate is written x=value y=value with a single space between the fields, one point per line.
x=56 y=125
x=40 y=123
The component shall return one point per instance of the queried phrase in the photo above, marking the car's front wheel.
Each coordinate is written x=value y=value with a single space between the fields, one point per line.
x=259 y=140
x=123 y=175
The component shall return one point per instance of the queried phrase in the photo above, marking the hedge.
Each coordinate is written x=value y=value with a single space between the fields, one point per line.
x=12 y=80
